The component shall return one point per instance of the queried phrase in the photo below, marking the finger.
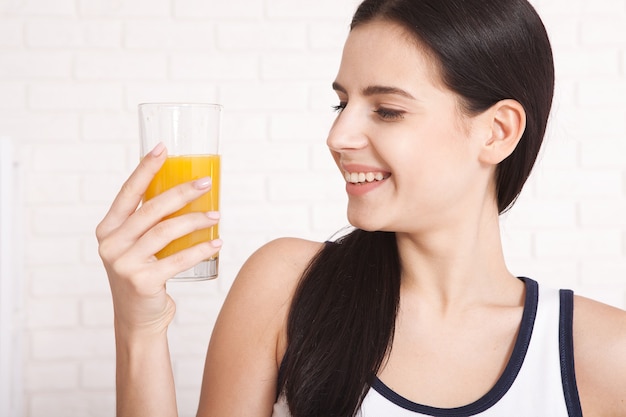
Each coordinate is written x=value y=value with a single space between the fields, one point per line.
x=166 y=231
x=131 y=193
x=186 y=259
x=154 y=210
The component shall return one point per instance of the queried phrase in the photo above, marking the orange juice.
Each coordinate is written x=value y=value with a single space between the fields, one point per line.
x=177 y=170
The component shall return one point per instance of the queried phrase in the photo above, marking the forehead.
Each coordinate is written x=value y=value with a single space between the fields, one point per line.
x=384 y=51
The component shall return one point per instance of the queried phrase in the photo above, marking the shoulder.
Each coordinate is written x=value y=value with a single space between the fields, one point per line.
x=279 y=263
x=267 y=281
x=600 y=357
x=248 y=338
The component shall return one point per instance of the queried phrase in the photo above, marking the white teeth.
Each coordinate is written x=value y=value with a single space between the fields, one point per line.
x=362 y=177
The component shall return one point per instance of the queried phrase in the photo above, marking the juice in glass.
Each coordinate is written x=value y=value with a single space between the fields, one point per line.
x=180 y=169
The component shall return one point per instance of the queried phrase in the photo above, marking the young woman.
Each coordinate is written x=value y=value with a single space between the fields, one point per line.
x=442 y=109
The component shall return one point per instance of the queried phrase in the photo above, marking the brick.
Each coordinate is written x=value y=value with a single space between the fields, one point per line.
x=244 y=126
x=12 y=96
x=98 y=374
x=328 y=36
x=264 y=158
x=120 y=65
x=216 y=9
x=52 y=188
x=189 y=340
x=322 y=96
x=48 y=313
x=262 y=218
x=564 y=31
x=266 y=96
x=600 y=61
x=552 y=273
x=96 y=311
x=75 y=96
x=603 y=153
x=592 y=124
x=66 y=220
x=77 y=343
x=322 y=160
x=74 y=158
x=598 y=273
x=72 y=404
x=559 y=150
x=300 y=127
x=188 y=372
x=55 y=250
x=15 y=65
x=328 y=9
x=169 y=34
x=578 y=244
x=311 y=187
x=603 y=31
x=38 y=8
x=261 y=36
x=64 y=281
x=542 y=214
x=603 y=213
x=243 y=188
x=53 y=376
x=89 y=251
x=202 y=66
x=198 y=310
x=329 y=217
x=305 y=66
x=109 y=127
x=516 y=244
x=606 y=93
x=11 y=33
x=101 y=188
x=40 y=127
x=65 y=33
x=196 y=91
x=120 y=8
x=605 y=183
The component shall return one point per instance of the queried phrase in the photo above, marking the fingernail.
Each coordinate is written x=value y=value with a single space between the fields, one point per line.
x=202 y=183
x=217 y=243
x=215 y=215
x=158 y=150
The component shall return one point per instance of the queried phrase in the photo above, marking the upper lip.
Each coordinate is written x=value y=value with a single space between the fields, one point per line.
x=362 y=168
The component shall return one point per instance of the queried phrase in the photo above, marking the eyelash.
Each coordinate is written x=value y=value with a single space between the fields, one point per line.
x=385 y=114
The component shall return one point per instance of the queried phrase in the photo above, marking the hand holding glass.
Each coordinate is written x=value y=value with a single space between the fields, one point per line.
x=190 y=133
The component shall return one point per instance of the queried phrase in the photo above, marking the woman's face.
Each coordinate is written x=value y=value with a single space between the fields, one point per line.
x=409 y=155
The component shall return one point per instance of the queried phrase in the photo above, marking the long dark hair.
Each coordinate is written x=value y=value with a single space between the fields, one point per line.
x=342 y=319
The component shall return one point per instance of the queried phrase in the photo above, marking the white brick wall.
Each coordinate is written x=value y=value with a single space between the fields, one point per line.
x=73 y=71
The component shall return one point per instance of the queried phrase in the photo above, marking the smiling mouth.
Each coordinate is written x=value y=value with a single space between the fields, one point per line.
x=364 y=177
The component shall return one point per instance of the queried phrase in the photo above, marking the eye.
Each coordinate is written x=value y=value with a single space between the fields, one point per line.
x=389 y=115
x=339 y=107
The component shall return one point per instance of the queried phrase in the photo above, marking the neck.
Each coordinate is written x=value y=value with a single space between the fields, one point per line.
x=459 y=265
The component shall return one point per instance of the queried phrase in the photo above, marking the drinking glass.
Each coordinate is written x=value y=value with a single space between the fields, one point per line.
x=191 y=133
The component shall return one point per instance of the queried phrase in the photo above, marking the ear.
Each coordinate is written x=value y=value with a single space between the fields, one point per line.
x=507 y=122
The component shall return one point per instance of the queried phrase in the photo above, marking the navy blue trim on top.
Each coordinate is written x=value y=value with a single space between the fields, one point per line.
x=566 y=351
x=503 y=384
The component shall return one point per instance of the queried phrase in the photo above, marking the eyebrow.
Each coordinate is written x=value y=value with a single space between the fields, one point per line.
x=373 y=90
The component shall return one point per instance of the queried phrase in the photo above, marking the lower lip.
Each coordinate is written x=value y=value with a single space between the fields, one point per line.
x=363 y=188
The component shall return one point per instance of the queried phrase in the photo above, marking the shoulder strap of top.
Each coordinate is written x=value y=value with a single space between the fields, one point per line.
x=566 y=346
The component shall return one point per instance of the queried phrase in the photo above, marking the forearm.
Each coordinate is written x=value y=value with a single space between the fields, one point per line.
x=144 y=379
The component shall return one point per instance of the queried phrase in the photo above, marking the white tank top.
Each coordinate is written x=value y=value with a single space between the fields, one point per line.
x=538 y=380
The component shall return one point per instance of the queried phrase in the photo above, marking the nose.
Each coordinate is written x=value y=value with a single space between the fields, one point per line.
x=347 y=132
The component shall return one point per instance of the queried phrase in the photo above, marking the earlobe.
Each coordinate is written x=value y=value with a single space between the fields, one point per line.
x=508 y=122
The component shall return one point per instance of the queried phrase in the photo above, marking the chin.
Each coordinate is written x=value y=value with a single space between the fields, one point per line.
x=366 y=222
